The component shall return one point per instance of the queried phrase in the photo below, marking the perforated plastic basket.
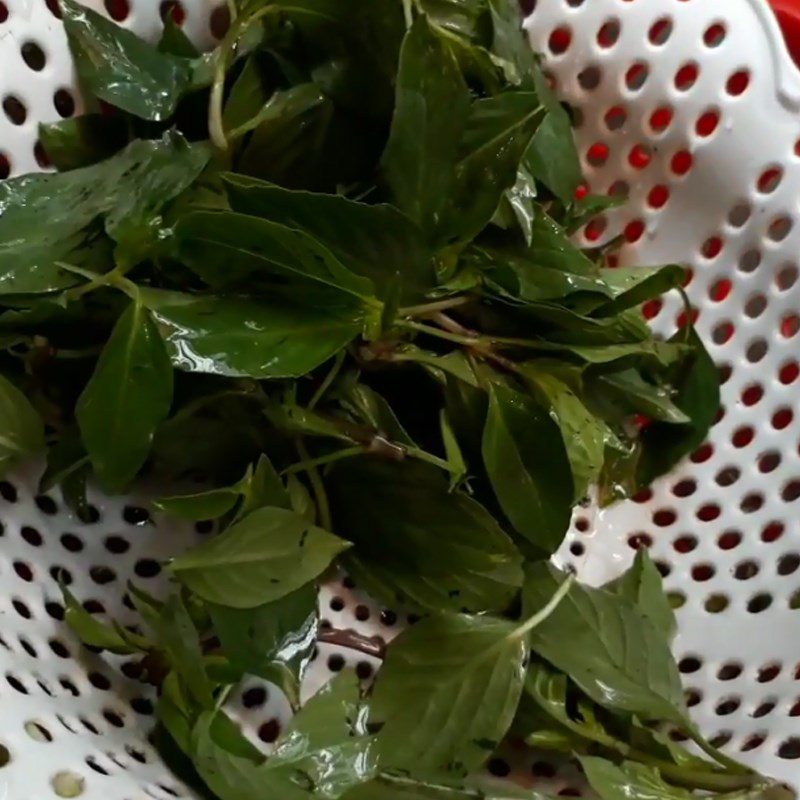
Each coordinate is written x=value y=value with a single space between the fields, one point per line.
x=692 y=107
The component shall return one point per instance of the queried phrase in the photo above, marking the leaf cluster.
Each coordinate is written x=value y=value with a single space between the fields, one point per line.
x=326 y=269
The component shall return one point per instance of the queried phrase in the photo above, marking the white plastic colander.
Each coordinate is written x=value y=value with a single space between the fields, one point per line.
x=691 y=107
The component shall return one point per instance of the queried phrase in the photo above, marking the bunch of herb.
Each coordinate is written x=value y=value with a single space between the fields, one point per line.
x=327 y=270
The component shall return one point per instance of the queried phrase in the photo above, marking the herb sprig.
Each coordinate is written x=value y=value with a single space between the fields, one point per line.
x=326 y=269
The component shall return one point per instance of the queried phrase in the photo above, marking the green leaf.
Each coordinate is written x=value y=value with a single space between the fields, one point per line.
x=82 y=141
x=267 y=555
x=510 y=44
x=325 y=752
x=528 y=467
x=227 y=249
x=552 y=156
x=608 y=648
x=126 y=399
x=90 y=630
x=248 y=95
x=174 y=41
x=422 y=152
x=275 y=641
x=641 y=586
x=115 y=65
x=696 y=381
x=129 y=189
x=636 y=285
x=551 y=247
x=389 y=246
x=454 y=456
x=289 y=138
x=405 y=787
x=418 y=544
x=521 y=275
x=447 y=692
x=642 y=782
x=497 y=132
x=23 y=430
x=372 y=409
x=282 y=336
x=200 y=505
x=263 y=488
x=584 y=435
x=627 y=393
x=179 y=639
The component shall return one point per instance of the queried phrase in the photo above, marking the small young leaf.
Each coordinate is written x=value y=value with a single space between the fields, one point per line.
x=22 y=428
x=201 y=505
x=422 y=151
x=528 y=467
x=552 y=156
x=608 y=647
x=263 y=488
x=455 y=458
x=277 y=337
x=467 y=674
x=418 y=544
x=128 y=396
x=90 y=630
x=275 y=640
x=267 y=555
x=641 y=587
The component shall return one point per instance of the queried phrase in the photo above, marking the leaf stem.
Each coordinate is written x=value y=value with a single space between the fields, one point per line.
x=552 y=604
x=429 y=458
x=431 y=308
x=320 y=495
x=338 y=455
x=716 y=754
x=430 y=330
x=329 y=379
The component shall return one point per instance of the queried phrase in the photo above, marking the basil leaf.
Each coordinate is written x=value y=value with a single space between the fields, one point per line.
x=179 y=639
x=552 y=156
x=467 y=674
x=422 y=150
x=263 y=488
x=510 y=44
x=697 y=383
x=642 y=782
x=287 y=143
x=92 y=631
x=528 y=468
x=115 y=65
x=324 y=750
x=389 y=245
x=416 y=543
x=365 y=403
x=551 y=247
x=634 y=286
x=498 y=129
x=23 y=430
x=275 y=641
x=247 y=97
x=174 y=41
x=267 y=555
x=584 y=435
x=129 y=189
x=407 y=787
x=627 y=393
x=608 y=648
x=82 y=141
x=279 y=337
x=126 y=399
x=201 y=505
x=641 y=586
x=226 y=249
